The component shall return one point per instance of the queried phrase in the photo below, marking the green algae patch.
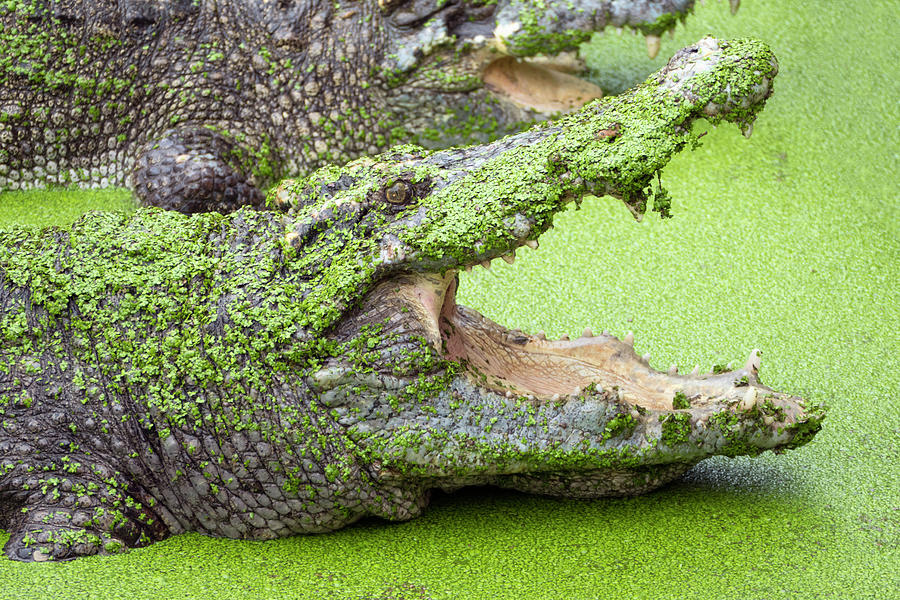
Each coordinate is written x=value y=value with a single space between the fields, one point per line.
x=787 y=242
x=42 y=208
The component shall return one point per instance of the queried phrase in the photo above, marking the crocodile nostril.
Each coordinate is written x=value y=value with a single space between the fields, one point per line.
x=140 y=21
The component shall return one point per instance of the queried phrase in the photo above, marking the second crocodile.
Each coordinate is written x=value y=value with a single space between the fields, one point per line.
x=198 y=105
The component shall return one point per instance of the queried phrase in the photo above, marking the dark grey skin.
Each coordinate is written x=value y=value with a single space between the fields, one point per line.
x=199 y=105
x=266 y=373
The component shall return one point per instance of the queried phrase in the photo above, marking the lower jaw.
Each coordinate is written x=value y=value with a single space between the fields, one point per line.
x=513 y=363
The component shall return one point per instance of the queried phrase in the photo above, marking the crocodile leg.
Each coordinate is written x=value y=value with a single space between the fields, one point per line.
x=195 y=169
x=82 y=514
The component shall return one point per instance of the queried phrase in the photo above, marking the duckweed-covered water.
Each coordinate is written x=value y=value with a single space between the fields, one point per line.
x=789 y=242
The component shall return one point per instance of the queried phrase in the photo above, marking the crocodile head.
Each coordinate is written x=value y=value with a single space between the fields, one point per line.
x=493 y=65
x=434 y=389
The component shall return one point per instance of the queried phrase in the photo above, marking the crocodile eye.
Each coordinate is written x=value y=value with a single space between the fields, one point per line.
x=397 y=193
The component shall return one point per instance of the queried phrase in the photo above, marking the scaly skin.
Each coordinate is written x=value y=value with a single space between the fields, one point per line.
x=199 y=105
x=266 y=373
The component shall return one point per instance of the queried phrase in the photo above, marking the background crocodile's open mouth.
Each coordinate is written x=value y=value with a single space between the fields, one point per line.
x=509 y=361
x=543 y=84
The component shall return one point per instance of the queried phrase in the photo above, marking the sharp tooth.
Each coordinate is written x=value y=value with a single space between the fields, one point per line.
x=510 y=258
x=564 y=338
x=509 y=394
x=646 y=358
x=604 y=332
x=576 y=391
x=621 y=395
x=735 y=5
x=695 y=371
x=753 y=361
x=533 y=244
x=531 y=397
x=653 y=43
x=619 y=30
x=749 y=400
x=555 y=397
x=486 y=264
x=629 y=339
x=541 y=335
x=748 y=131
x=673 y=370
x=587 y=333
x=635 y=414
x=468 y=268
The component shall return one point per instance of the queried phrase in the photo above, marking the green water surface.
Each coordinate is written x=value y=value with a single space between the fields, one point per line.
x=789 y=242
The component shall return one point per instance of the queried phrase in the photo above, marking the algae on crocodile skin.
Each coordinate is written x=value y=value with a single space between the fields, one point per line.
x=800 y=221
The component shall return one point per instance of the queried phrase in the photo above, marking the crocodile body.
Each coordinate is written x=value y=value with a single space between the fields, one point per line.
x=198 y=105
x=265 y=373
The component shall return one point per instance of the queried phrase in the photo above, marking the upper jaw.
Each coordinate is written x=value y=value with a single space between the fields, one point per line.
x=524 y=53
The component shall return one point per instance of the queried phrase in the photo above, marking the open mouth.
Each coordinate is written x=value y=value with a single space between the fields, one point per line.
x=542 y=84
x=515 y=363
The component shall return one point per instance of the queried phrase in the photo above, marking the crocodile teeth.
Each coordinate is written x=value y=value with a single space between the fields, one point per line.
x=533 y=244
x=735 y=5
x=604 y=332
x=509 y=394
x=540 y=335
x=646 y=358
x=695 y=371
x=653 y=43
x=730 y=366
x=748 y=131
x=673 y=370
x=555 y=397
x=486 y=264
x=38 y=556
x=635 y=414
x=587 y=333
x=619 y=30
x=468 y=268
x=576 y=391
x=753 y=361
x=564 y=338
x=749 y=400
x=629 y=339
x=509 y=258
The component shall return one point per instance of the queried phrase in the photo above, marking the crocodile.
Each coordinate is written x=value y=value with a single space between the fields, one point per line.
x=259 y=374
x=199 y=105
